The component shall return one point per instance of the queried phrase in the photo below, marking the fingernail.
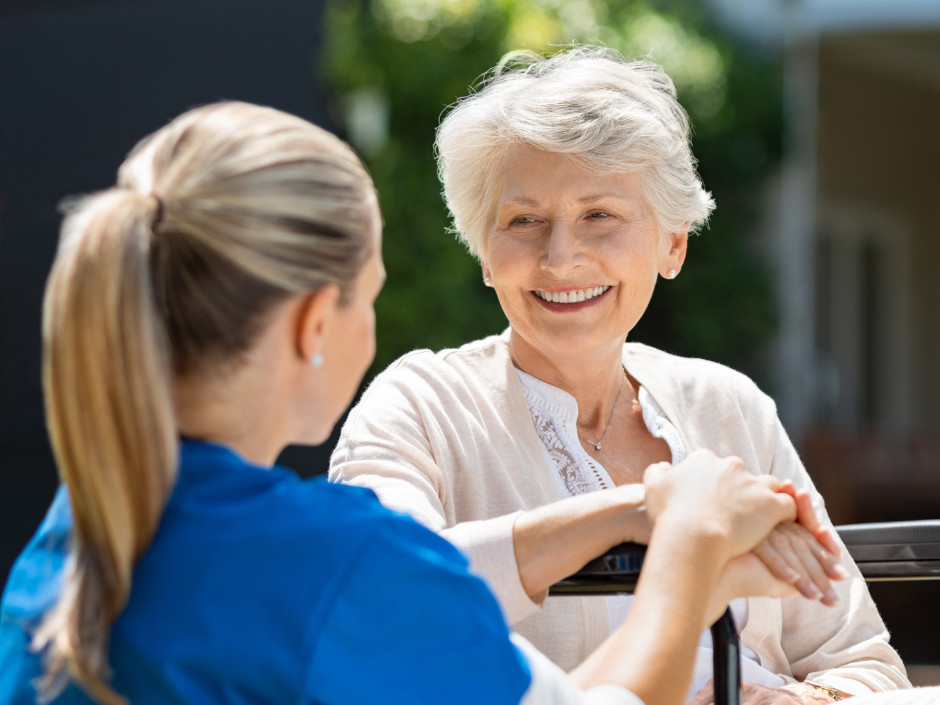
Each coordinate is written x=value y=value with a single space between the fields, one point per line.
x=840 y=571
x=831 y=596
x=814 y=593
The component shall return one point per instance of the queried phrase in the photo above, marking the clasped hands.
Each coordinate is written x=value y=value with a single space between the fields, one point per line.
x=775 y=543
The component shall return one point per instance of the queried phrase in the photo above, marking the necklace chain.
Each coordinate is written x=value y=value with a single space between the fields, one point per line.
x=597 y=444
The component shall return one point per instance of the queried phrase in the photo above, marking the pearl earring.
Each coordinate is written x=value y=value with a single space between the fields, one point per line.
x=487 y=281
x=316 y=360
x=672 y=274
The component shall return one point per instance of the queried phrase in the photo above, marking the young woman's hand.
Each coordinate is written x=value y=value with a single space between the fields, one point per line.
x=718 y=498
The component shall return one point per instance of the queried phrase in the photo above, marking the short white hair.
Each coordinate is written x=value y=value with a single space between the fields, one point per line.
x=608 y=114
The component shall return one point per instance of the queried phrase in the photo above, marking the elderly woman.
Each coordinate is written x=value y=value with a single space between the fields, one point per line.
x=571 y=179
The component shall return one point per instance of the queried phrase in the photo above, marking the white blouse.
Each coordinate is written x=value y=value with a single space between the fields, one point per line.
x=555 y=414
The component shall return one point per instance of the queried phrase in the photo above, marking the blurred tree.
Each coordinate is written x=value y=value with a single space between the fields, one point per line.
x=396 y=65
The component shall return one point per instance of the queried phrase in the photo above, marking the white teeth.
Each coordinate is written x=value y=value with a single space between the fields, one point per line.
x=565 y=297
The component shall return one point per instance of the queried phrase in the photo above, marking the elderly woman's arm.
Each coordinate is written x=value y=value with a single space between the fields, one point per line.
x=520 y=553
x=446 y=452
x=428 y=445
x=554 y=541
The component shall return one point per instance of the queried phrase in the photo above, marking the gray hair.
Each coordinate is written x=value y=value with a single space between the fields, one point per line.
x=608 y=114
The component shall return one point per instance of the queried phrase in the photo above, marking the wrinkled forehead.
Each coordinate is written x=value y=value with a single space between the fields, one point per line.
x=520 y=169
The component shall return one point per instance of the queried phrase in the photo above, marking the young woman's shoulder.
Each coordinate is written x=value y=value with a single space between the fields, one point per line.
x=408 y=598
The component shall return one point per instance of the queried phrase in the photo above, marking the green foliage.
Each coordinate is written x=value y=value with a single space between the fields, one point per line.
x=418 y=56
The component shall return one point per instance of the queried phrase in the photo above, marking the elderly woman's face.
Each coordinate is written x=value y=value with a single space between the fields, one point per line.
x=573 y=255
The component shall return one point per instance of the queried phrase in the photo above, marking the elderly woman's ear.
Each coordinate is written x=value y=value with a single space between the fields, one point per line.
x=673 y=251
x=486 y=274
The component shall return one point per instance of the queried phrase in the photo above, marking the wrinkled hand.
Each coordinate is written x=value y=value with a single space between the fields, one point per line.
x=792 y=554
x=746 y=576
x=754 y=694
x=803 y=552
x=718 y=497
x=806 y=517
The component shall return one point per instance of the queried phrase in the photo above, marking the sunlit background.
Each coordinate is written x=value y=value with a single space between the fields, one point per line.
x=817 y=129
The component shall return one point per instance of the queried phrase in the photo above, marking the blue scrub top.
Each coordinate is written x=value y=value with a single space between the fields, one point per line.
x=263 y=587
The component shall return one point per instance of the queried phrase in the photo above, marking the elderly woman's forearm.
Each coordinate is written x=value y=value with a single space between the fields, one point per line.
x=554 y=541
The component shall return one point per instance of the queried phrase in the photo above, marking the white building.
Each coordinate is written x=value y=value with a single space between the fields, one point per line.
x=856 y=245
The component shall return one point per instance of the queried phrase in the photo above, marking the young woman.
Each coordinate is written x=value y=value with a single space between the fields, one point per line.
x=214 y=306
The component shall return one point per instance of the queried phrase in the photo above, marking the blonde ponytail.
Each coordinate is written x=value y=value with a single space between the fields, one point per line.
x=107 y=384
x=256 y=205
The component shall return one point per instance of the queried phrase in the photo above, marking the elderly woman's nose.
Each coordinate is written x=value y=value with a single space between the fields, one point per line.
x=562 y=252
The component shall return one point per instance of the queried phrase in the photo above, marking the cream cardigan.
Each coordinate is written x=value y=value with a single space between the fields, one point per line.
x=447 y=437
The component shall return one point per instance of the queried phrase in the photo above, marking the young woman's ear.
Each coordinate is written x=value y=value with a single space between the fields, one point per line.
x=315 y=315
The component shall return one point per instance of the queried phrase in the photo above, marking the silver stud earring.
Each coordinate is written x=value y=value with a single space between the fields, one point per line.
x=672 y=274
x=316 y=360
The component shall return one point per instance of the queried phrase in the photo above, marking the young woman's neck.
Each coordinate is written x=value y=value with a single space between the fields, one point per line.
x=221 y=416
x=243 y=406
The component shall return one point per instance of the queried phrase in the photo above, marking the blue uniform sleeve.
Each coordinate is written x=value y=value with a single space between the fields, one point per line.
x=411 y=624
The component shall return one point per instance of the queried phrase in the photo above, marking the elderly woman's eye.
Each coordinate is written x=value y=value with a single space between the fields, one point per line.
x=598 y=215
x=522 y=220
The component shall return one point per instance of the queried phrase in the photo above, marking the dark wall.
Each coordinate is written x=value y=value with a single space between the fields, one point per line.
x=80 y=83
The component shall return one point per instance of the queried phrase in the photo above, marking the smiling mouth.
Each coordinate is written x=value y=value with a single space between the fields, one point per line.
x=571 y=297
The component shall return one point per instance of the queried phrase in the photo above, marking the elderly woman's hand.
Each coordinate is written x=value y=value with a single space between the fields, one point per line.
x=806 y=516
x=746 y=576
x=803 y=552
x=794 y=555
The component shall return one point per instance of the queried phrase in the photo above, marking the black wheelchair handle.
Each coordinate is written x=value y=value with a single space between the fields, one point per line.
x=617 y=571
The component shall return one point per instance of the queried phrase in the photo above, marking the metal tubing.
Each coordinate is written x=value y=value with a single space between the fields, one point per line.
x=726 y=660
